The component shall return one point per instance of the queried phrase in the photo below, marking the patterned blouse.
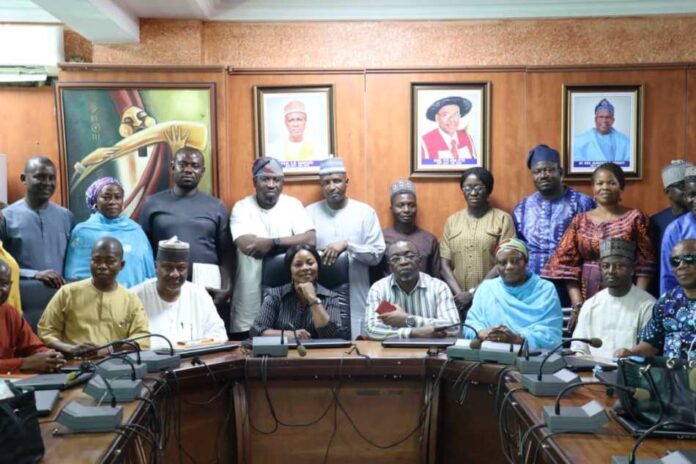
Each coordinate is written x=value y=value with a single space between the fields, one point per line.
x=672 y=328
x=577 y=255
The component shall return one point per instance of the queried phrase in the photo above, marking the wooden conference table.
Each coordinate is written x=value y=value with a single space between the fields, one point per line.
x=381 y=405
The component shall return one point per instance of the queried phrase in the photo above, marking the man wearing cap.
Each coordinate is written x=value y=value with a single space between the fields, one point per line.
x=680 y=229
x=181 y=311
x=618 y=313
x=347 y=225
x=542 y=218
x=294 y=147
x=447 y=141
x=517 y=305
x=198 y=219
x=671 y=331
x=602 y=143
x=404 y=208
x=265 y=222
x=673 y=182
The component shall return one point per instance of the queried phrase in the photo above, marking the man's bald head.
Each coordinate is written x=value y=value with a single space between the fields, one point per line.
x=685 y=246
x=108 y=244
x=401 y=245
x=5 y=281
x=36 y=161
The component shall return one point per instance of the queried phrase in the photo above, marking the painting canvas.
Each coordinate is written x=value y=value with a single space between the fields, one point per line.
x=450 y=128
x=130 y=132
x=296 y=126
x=602 y=123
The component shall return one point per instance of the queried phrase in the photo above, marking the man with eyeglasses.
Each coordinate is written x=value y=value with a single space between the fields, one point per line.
x=680 y=229
x=447 y=141
x=197 y=218
x=542 y=218
x=417 y=303
x=618 y=313
x=262 y=223
x=671 y=331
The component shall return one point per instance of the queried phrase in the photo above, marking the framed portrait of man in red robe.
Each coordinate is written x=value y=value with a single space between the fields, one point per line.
x=450 y=128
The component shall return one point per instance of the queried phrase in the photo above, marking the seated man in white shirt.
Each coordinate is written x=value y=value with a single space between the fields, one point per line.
x=618 y=313
x=418 y=303
x=180 y=310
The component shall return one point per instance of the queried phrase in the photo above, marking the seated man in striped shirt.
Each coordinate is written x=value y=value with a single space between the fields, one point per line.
x=417 y=303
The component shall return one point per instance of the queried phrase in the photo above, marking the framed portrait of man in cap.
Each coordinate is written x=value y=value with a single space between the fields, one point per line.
x=449 y=128
x=295 y=125
x=602 y=124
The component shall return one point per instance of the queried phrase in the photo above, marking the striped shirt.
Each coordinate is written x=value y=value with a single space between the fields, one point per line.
x=281 y=308
x=430 y=302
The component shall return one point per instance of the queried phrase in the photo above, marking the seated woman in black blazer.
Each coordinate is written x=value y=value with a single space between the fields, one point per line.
x=313 y=310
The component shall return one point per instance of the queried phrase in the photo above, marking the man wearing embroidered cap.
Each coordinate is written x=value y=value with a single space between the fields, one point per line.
x=262 y=223
x=618 y=313
x=296 y=146
x=447 y=140
x=542 y=218
x=516 y=305
x=348 y=226
x=181 y=311
x=602 y=143
x=682 y=228
x=403 y=209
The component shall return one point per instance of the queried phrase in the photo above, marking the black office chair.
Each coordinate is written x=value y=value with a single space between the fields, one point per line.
x=35 y=297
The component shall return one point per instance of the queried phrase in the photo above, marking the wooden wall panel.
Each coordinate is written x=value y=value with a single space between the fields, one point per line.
x=28 y=128
x=350 y=117
x=690 y=123
x=171 y=75
x=388 y=142
x=664 y=122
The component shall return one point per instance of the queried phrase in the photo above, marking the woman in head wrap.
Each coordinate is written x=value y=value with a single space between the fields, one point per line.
x=105 y=198
x=517 y=305
x=471 y=237
x=576 y=259
x=313 y=310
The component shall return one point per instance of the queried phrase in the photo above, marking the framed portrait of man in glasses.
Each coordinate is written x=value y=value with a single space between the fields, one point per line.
x=450 y=128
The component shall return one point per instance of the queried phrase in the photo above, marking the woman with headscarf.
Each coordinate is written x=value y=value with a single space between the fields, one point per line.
x=471 y=237
x=314 y=311
x=576 y=259
x=105 y=198
x=517 y=305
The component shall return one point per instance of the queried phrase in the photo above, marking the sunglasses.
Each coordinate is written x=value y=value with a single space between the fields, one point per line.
x=675 y=261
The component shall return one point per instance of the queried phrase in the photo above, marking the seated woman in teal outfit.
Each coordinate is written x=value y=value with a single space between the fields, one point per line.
x=105 y=198
x=517 y=305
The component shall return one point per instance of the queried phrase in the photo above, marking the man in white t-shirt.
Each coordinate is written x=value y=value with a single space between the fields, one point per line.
x=618 y=313
x=262 y=223
x=181 y=311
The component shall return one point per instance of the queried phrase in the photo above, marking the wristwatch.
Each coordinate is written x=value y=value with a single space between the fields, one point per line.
x=410 y=321
x=315 y=301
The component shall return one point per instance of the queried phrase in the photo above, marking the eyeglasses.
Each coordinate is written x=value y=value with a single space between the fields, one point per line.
x=675 y=261
x=408 y=257
x=474 y=188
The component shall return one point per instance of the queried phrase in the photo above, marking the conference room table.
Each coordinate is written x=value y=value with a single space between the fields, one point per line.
x=366 y=403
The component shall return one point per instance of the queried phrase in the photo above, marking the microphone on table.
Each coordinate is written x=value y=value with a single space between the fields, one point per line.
x=593 y=342
x=141 y=337
x=638 y=394
x=650 y=431
x=301 y=349
x=130 y=343
x=443 y=328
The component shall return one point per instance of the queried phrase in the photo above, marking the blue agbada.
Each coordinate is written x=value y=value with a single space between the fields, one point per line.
x=531 y=310
x=137 y=251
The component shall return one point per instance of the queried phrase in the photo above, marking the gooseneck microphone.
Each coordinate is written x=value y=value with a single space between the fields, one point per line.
x=650 y=431
x=593 y=342
x=301 y=349
x=171 y=347
x=639 y=394
x=443 y=328
x=122 y=357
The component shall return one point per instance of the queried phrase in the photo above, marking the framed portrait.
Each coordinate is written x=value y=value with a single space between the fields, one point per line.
x=602 y=123
x=130 y=131
x=450 y=128
x=295 y=125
